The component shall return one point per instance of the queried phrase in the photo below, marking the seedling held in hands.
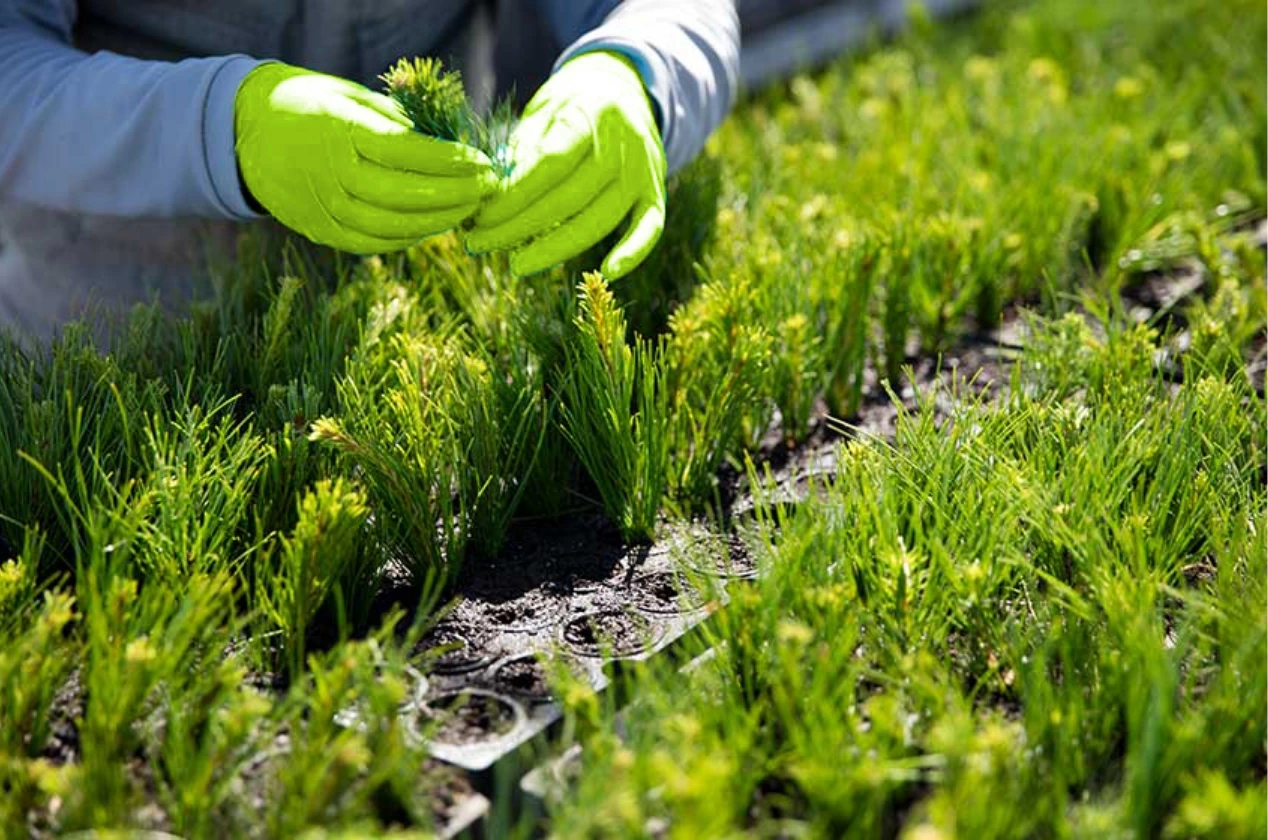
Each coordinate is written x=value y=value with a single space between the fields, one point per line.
x=435 y=101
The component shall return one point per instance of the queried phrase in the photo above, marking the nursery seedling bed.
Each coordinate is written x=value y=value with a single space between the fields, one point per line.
x=980 y=367
x=573 y=592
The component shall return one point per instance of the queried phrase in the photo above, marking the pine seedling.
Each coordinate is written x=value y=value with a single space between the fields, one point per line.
x=844 y=308
x=797 y=363
x=709 y=413
x=441 y=449
x=434 y=100
x=615 y=411
x=431 y=97
x=310 y=562
x=203 y=472
x=408 y=459
x=720 y=364
x=508 y=422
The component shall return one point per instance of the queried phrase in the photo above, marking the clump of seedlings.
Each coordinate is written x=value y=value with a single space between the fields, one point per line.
x=435 y=101
x=615 y=410
x=294 y=580
x=398 y=427
x=718 y=365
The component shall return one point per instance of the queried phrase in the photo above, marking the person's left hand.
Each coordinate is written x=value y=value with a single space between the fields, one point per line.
x=587 y=154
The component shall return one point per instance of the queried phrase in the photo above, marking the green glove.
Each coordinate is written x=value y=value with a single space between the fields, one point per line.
x=340 y=164
x=586 y=154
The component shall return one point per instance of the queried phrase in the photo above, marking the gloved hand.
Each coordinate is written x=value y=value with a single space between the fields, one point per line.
x=340 y=164
x=587 y=152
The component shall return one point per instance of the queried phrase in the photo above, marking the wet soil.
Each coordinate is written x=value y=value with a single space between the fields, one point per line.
x=665 y=592
x=612 y=632
x=523 y=676
x=467 y=718
x=454 y=647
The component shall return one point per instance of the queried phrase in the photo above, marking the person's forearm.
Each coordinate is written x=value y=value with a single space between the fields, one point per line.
x=688 y=55
x=108 y=134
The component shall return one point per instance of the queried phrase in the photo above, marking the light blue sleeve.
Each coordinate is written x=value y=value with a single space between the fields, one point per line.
x=687 y=51
x=108 y=134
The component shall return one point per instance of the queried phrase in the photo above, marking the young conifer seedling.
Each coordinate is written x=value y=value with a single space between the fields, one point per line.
x=615 y=411
x=310 y=562
x=435 y=101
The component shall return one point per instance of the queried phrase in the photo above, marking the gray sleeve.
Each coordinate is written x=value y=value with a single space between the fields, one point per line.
x=104 y=133
x=687 y=51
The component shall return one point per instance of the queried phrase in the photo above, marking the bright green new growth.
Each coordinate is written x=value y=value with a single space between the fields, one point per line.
x=442 y=435
x=309 y=563
x=436 y=102
x=718 y=365
x=615 y=410
x=431 y=97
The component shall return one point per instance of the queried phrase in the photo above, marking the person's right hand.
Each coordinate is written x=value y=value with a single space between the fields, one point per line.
x=342 y=165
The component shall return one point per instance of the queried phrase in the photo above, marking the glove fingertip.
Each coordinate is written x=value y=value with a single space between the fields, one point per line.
x=613 y=270
x=524 y=268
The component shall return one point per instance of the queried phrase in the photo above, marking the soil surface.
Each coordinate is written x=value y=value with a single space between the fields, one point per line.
x=455 y=647
x=612 y=632
x=524 y=676
x=665 y=592
x=467 y=717
x=547 y=559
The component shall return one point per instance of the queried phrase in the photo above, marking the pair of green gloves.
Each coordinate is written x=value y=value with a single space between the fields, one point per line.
x=343 y=166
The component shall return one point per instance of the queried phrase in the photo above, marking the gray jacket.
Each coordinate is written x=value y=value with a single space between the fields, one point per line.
x=124 y=109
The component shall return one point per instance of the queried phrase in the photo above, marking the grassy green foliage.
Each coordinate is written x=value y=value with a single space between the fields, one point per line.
x=719 y=367
x=1086 y=658
x=614 y=411
x=1039 y=616
x=308 y=563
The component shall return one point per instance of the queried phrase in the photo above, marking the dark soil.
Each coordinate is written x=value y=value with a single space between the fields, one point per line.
x=67 y=707
x=613 y=632
x=524 y=676
x=665 y=592
x=532 y=610
x=543 y=565
x=465 y=648
x=468 y=717
x=559 y=557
